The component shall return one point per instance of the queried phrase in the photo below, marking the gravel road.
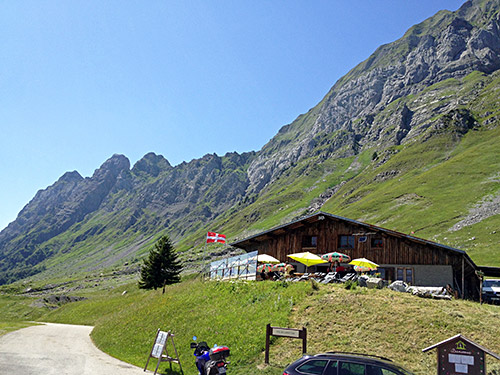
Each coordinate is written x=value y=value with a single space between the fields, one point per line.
x=57 y=349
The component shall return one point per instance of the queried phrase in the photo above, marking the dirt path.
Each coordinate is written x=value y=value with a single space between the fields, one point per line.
x=57 y=349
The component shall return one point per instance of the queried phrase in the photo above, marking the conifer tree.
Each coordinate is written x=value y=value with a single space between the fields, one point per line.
x=161 y=267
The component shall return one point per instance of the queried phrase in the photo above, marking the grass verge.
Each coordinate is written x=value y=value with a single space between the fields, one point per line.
x=381 y=322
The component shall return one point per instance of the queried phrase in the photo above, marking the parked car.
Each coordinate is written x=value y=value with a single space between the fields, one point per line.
x=491 y=291
x=337 y=363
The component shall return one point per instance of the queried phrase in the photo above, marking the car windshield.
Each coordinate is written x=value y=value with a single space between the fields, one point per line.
x=490 y=283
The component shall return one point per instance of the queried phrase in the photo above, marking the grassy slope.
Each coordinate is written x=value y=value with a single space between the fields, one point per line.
x=16 y=313
x=232 y=314
x=381 y=322
x=438 y=182
x=436 y=188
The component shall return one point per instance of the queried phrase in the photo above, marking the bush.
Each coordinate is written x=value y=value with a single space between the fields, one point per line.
x=351 y=285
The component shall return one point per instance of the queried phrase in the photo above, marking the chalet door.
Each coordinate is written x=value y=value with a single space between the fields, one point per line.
x=389 y=274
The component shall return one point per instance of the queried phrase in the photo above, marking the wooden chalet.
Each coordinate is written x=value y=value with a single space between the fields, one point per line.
x=401 y=257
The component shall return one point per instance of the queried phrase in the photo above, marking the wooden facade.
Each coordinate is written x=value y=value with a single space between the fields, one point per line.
x=323 y=233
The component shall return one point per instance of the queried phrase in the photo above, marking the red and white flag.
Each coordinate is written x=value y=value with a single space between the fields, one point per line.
x=216 y=237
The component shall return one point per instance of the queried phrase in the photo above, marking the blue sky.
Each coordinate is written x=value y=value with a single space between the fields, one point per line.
x=82 y=80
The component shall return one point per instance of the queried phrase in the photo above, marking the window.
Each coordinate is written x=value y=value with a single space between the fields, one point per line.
x=346 y=242
x=314 y=367
x=348 y=368
x=375 y=370
x=405 y=274
x=377 y=243
x=400 y=274
x=331 y=369
x=309 y=241
x=409 y=275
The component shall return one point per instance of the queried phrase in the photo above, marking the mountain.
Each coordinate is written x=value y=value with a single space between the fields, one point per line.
x=408 y=139
x=108 y=216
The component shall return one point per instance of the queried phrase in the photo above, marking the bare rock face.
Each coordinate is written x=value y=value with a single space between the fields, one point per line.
x=448 y=45
x=144 y=199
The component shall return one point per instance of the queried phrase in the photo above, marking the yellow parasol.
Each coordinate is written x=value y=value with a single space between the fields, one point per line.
x=307 y=258
x=364 y=263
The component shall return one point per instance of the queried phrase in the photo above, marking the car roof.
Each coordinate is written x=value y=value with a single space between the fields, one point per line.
x=360 y=357
x=353 y=356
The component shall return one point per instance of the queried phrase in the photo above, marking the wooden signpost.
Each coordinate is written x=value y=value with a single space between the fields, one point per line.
x=458 y=355
x=285 y=332
x=159 y=350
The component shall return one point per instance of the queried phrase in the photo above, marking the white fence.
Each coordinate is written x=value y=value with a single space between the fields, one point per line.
x=238 y=267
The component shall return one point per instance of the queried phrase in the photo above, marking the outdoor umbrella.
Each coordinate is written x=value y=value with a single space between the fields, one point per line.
x=336 y=257
x=361 y=269
x=307 y=258
x=365 y=263
x=266 y=267
x=266 y=258
x=281 y=267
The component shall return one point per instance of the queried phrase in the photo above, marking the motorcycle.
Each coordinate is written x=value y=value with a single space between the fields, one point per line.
x=210 y=361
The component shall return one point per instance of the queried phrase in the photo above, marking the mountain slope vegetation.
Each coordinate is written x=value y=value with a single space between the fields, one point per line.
x=408 y=140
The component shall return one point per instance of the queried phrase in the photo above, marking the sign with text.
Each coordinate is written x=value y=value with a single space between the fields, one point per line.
x=159 y=345
x=458 y=355
x=159 y=350
x=285 y=332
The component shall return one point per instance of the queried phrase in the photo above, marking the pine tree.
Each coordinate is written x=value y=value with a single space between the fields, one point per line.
x=161 y=267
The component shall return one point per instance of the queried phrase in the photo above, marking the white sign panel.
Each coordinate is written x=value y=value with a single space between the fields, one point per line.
x=161 y=339
x=285 y=332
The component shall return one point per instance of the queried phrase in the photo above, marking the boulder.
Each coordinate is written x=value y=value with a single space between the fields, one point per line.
x=374 y=283
x=399 y=286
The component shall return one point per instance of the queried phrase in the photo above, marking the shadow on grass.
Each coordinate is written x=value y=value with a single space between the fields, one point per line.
x=169 y=371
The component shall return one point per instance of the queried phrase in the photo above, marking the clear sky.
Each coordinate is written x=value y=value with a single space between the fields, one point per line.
x=83 y=80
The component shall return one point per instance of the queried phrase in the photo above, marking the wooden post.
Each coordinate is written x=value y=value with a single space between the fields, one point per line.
x=304 y=340
x=151 y=351
x=268 y=334
x=463 y=277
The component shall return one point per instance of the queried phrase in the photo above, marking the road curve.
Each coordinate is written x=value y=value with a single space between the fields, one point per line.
x=57 y=349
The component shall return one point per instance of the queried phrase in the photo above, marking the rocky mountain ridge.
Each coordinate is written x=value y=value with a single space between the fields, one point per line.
x=435 y=80
x=449 y=45
x=146 y=198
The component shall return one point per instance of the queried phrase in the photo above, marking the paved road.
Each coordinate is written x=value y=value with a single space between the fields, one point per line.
x=57 y=349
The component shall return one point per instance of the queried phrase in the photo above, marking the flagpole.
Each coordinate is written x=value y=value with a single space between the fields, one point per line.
x=203 y=265
x=212 y=237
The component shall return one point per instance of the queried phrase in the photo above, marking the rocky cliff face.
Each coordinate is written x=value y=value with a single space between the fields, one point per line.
x=397 y=96
x=147 y=198
x=448 y=45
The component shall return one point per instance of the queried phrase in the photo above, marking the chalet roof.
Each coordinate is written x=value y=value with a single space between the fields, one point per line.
x=324 y=215
x=490 y=271
x=464 y=339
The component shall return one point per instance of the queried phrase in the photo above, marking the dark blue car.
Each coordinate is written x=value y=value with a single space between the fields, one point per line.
x=336 y=363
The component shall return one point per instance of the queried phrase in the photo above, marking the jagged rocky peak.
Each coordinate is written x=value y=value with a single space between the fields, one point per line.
x=108 y=173
x=72 y=176
x=151 y=164
x=114 y=165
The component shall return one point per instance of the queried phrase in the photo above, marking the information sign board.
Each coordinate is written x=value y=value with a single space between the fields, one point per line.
x=159 y=350
x=161 y=340
x=459 y=355
x=285 y=332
